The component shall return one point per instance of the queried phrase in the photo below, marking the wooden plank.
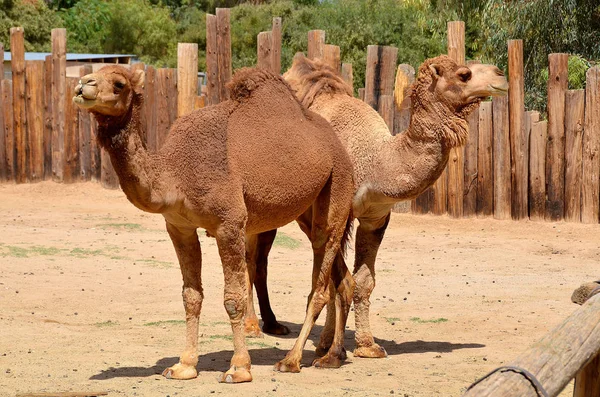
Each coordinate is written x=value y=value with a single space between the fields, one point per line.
x=361 y=94
x=9 y=138
x=276 y=31
x=59 y=75
x=502 y=182
x=423 y=204
x=554 y=360
x=187 y=77
x=85 y=135
x=34 y=83
x=456 y=41
x=212 y=64
x=590 y=199
x=264 y=44
x=71 y=140
x=386 y=110
x=3 y=165
x=485 y=161
x=17 y=48
x=405 y=76
x=172 y=95
x=471 y=166
x=48 y=121
x=143 y=109
x=537 y=170
x=519 y=141
x=332 y=57
x=347 y=75
x=380 y=73
x=574 y=119
x=316 y=42
x=108 y=177
x=150 y=94
x=555 y=152
x=587 y=381
x=162 y=106
x=224 y=51
x=200 y=102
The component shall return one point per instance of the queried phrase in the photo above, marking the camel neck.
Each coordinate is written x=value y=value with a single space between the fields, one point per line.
x=136 y=168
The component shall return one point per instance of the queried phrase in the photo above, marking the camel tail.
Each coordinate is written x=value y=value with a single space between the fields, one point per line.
x=347 y=234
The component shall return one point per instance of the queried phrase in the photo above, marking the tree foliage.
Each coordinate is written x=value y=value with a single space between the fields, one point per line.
x=36 y=19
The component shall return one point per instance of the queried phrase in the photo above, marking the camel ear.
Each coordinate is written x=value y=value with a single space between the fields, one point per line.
x=137 y=82
x=436 y=70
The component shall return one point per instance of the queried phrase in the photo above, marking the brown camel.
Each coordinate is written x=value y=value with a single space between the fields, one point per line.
x=387 y=169
x=237 y=169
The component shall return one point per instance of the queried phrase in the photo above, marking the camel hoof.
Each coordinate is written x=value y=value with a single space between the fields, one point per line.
x=180 y=371
x=251 y=329
x=275 y=329
x=322 y=351
x=373 y=351
x=287 y=365
x=328 y=361
x=236 y=375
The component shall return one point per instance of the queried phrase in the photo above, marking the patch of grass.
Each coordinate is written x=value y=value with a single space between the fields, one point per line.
x=154 y=262
x=165 y=322
x=85 y=252
x=432 y=321
x=24 y=252
x=283 y=240
x=121 y=226
x=108 y=323
x=392 y=319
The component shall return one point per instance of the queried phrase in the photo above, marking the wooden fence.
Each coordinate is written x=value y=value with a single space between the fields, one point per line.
x=514 y=165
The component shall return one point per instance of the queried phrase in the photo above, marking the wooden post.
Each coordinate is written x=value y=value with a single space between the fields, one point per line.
x=456 y=162
x=163 y=121
x=590 y=200
x=587 y=381
x=212 y=61
x=172 y=95
x=502 y=183
x=3 y=165
x=264 y=49
x=9 y=138
x=380 y=73
x=150 y=94
x=519 y=141
x=108 y=178
x=48 y=120
x=554 y=360
x=424 y=203
x=386 y=106
x=34 y=78
x=276 y=46
x=361 y=94
x=405 y=76
x=485 y=161
x=347 y=75
x=85 y=135
x=187 y=77
x=471 y=166
x=17 y=49
x=555 y=153
x=71 y=155
x=59 y=76
x=574 y=119
x=224 y=51
x=537 y=170
x=332 y=57
x=316 y=42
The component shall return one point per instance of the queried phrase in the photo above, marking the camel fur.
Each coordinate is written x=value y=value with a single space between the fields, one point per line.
x=237 y=169
x=387 y=169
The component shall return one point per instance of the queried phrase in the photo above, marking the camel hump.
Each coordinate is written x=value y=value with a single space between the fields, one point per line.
x=247 y=80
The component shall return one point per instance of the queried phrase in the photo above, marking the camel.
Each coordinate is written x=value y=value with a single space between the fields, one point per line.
x=237 y=169
x=387 y=169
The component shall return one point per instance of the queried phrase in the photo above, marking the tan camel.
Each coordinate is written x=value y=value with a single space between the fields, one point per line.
x=245 y=166
x=387 y=169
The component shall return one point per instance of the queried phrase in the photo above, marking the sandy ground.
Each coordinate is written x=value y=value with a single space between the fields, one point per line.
x=90 y=299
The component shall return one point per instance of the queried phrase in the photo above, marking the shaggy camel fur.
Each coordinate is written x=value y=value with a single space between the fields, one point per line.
x=243 y=167
x=387 y=169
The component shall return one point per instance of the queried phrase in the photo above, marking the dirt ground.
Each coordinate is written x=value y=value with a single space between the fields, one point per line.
x=90 y=300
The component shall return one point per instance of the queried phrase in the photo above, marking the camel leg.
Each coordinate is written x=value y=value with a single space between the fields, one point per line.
x=188 y=252
x=368 y=239
x=251 y=328
x=231 y=244
x=326 y=235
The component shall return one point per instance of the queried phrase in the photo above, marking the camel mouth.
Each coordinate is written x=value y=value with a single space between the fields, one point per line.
x=499 y=90
x=83 y=102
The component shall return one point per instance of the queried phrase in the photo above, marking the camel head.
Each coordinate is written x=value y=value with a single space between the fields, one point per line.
x=109 y=91
x=458 y=86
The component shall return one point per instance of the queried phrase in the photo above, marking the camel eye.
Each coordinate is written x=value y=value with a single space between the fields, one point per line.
x=119 y=86
x=464 y=75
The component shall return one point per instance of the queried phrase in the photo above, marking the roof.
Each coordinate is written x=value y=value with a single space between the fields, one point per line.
x=40 y=56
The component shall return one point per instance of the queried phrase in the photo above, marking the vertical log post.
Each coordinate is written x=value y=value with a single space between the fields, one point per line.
x=150 y=103
x=485 y=161
x=276 y=46
x=162 y=106
x=85 y=135
x=590 y=200
x=316 y=42
x=332 y=57
x=17 y=49
x=48 y=120
x=34 y=78
x=471 y=167
x=386 y=110
x=380 y=73
x=59 y=81
x=187 y=77
x=3 y=165
x=7 y=129
x=555 y=153
x=574 y=118
x=224 y=51
x=172 y=96
x=537 y=169
x=264 y=43
x=519 y=141
x=405 y=76
x=502 y=183
x=455 y=168
x=347 y=75
x=587 y=381
x=212 y=64
x=361 y=94
x=71 y=155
